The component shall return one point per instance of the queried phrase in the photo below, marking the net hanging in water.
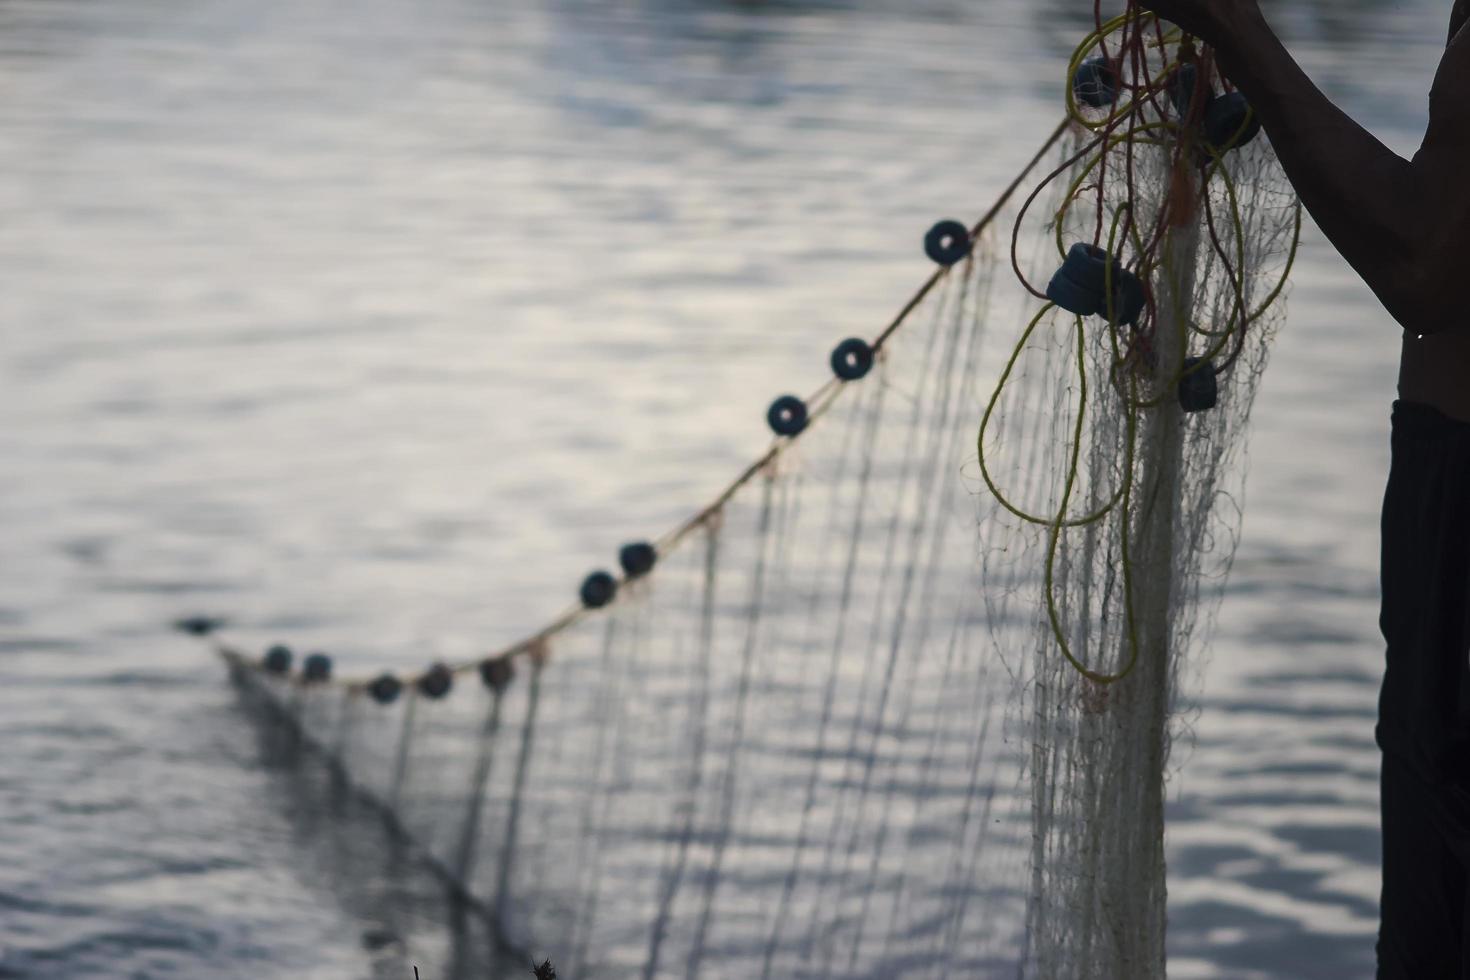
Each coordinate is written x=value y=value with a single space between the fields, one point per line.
x=900 y=699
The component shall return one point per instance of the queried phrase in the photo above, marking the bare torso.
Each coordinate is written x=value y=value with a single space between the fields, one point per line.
x=1435 y=370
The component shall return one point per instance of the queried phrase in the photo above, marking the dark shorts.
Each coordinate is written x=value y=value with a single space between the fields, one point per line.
x=1424 y=706
x=1426 y=850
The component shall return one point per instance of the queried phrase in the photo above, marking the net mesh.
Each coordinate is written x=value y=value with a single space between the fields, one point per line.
x=901 y=700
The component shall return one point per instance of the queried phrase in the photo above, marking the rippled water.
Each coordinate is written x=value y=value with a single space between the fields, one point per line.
x=367 y=322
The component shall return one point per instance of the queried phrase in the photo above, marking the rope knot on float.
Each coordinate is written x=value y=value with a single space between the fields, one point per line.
x=198 y=625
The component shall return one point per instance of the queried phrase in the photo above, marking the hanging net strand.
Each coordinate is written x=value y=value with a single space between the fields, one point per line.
x=881 y=706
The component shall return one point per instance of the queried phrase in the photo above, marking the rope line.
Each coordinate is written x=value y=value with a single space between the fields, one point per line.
x=820 y=402
x=813 y=763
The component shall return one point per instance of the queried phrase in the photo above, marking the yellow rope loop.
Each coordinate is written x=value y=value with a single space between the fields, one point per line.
x=981 y=452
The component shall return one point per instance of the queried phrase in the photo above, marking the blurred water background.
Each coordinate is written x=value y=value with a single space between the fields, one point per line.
x=374 y=323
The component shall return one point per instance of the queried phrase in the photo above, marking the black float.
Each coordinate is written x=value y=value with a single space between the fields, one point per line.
x=1199 y=388
x=497 y=673
x=598 y=589
x=947 y=242
x=1080 y=285
x=787 y=415
x=852 y=359
x=1096 y=83
x=637 y=559
x=1227 y=121
x=277 y=660
x=316 y=668
x=384 y=689
x=1230 y=122
x=436 y=682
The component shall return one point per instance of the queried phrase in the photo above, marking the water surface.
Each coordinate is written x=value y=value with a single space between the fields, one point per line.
x=367 y=322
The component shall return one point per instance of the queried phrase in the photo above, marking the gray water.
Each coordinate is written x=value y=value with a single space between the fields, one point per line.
x=368 y=322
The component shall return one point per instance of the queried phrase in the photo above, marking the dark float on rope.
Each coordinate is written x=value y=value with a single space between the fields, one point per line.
x=198 y=625
x=1230 y=122
x=1080 y=286
x=598 y=589
x=947 y=242
x=1096 y=83
x=637 y=559
x=277 y=660
x=852 y=359
x=787 y=415
x=1227 y=122
x=1199 y=388
x=497 y=673
x=385 y=688
x=436 y=682
x=316 y=668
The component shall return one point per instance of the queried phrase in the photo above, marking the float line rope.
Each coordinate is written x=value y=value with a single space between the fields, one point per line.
x=819 y=403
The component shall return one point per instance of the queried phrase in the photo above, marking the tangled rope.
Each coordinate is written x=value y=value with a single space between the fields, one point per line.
x=1126 y=82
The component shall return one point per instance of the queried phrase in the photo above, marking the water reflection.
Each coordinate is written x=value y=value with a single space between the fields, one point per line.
x=375 y=319
x=350 y=855
x=1345 y=26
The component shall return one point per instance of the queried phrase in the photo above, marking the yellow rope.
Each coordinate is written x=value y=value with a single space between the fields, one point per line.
x=1161 y=133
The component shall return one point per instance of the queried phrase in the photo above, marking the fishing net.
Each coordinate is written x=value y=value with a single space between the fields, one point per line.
x=900 y=700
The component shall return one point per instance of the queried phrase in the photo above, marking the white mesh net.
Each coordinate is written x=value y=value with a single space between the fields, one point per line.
x=866 y=717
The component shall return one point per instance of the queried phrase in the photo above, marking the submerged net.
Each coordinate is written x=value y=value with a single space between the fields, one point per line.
x=900 y=700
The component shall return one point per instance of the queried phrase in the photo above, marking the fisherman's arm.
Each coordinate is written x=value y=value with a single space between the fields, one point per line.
x=1400 y=224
